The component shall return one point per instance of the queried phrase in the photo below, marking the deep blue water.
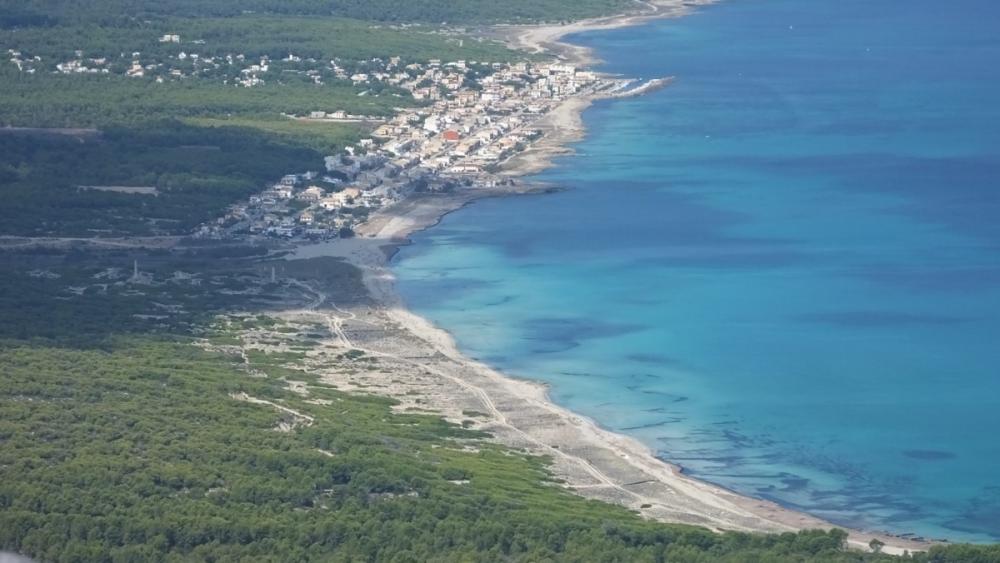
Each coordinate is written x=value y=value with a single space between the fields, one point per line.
x=782 y=272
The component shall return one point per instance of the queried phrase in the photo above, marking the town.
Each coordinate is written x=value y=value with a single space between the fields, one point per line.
x=470 y=118
x=460 y=139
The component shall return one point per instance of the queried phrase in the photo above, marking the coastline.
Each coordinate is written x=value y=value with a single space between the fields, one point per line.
x=547 y=39
x=427 y=372
x=590 y=460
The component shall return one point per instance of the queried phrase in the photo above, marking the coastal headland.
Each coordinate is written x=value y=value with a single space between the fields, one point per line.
x=427 y=370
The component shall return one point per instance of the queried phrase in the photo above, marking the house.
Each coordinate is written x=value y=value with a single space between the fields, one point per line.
x=349 y=194
x=468 y=97
x=451 y=136
x=340 y=199
x=281 y=231
x=432 y=124
x=312 y=193
x=384 y=131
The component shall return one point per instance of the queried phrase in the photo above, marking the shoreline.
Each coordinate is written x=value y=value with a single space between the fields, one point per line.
x=548 y=39
x=592 y=461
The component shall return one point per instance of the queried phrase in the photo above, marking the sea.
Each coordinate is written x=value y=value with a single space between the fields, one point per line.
x=781 y=273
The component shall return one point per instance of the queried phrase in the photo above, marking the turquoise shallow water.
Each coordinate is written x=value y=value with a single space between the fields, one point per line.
x=782 y=272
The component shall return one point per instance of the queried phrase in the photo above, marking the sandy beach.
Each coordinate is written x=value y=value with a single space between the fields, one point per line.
x=545 y=39
x=421 y=366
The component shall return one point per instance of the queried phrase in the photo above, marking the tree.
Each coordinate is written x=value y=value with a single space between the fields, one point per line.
x=876 y=545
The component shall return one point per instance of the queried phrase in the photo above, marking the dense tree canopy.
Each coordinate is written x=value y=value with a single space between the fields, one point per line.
x=42 y=12
x=140 y=453
x=197 y=172
x=136 y=445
